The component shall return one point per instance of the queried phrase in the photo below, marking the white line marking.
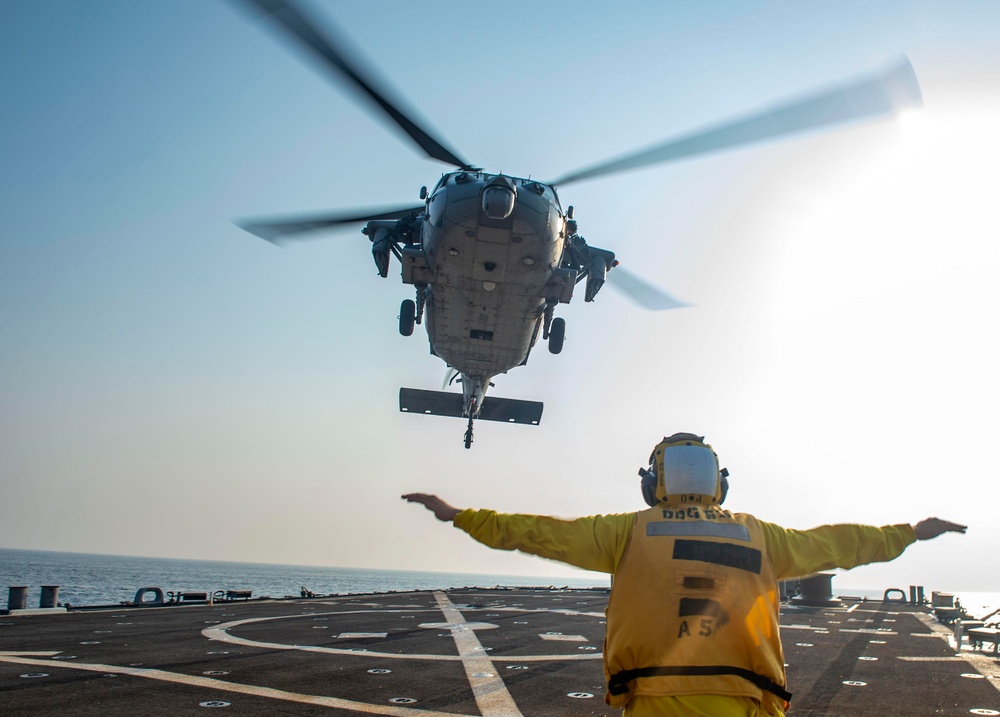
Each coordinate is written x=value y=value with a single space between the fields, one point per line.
x=490 y=692
x=219 y=633
x=548 y=658
x=539 y=610
x=564 y=638
x=869 y=631
x=254 y=690
x=464 y=626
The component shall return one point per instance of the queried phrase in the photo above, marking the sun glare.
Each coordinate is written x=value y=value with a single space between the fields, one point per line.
x=884 y=276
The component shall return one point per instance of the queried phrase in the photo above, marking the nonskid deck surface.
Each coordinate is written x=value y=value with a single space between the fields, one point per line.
x=455 y=652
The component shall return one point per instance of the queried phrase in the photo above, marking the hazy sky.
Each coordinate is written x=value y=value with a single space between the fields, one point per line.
x=172 y=386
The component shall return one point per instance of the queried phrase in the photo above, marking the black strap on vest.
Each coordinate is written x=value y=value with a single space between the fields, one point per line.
x=618 y=684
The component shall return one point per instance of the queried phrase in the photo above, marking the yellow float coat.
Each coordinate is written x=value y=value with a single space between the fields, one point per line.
x=696 y=602
x=602 y=543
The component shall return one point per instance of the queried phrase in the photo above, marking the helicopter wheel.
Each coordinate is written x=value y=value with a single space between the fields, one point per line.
x=557 y=334
x=407 y=317
x=468 y=435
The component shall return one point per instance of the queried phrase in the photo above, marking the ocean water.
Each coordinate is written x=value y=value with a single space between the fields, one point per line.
x=88 y=579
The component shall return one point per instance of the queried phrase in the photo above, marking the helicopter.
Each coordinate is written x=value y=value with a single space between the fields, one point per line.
x=491 y=256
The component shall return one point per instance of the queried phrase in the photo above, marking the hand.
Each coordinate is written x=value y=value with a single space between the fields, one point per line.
x=933 y=527
x=441 y=510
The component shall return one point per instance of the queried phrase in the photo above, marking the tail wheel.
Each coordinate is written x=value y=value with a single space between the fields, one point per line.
x=557 y=334
x=407 y=317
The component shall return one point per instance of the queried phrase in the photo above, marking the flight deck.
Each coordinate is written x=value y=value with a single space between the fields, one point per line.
x=488 y=652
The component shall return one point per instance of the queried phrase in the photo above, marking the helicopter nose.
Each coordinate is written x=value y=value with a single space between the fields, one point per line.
x=499 y=197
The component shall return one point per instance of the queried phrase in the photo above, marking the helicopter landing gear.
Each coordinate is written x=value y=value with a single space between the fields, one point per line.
x=468 y=434
x=472 y=417
x=557 y=334
x=407 y=317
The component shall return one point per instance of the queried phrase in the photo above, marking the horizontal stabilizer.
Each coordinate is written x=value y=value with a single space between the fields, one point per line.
x=441 y=403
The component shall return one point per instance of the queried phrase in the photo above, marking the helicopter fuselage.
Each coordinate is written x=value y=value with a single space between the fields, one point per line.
x=491 y=275
x=485 y=257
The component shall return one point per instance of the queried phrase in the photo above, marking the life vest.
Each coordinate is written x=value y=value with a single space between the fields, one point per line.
x=694 y=609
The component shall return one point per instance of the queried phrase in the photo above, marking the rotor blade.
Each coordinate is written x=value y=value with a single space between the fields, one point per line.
x=642 y=292
x=332 y=53
x=872 y=97
x=276 y=230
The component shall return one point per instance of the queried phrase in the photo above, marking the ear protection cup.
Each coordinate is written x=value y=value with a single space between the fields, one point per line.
x=648 y=487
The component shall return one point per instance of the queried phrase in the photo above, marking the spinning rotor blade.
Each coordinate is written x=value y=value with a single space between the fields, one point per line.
x=276 y=230
x=868 y=98
x=333 y=55
x=642 y=292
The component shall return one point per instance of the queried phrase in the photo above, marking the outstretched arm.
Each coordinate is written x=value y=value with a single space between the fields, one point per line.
x=440 y=509
x=933 y=527
x=794 y=553
x=595 y=542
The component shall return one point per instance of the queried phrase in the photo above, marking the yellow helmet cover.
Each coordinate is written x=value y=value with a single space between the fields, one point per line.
x=686 y=470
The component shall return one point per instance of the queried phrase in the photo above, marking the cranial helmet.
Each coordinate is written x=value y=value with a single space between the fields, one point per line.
x=683 y=469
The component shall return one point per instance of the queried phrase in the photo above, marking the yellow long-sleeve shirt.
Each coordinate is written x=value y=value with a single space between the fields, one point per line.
x=599 y=543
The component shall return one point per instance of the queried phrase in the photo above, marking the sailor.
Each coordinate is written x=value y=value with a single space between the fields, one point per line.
x=692 y=620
